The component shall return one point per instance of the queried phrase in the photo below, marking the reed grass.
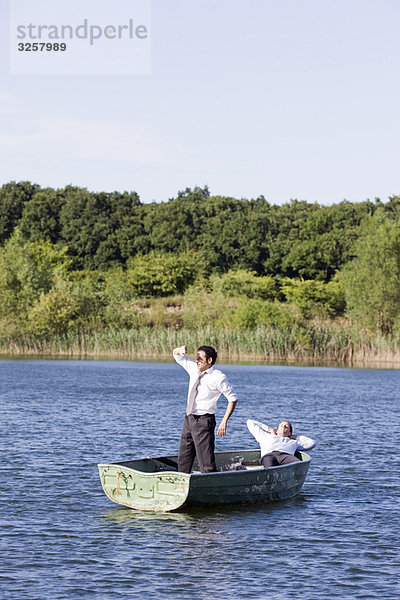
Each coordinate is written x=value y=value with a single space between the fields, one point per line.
x=320 y=343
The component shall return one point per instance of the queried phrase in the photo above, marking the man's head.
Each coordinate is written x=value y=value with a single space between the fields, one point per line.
x=284 y=429
x=206 y=357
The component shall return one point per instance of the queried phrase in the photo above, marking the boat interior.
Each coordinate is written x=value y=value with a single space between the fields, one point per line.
x=245 y=460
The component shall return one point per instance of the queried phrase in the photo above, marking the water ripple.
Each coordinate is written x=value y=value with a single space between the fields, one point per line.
x=63 y=539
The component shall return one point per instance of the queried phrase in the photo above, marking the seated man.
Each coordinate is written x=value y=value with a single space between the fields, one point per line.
x=278 y=447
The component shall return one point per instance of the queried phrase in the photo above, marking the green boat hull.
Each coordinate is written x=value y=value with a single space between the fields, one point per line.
x=155 y=484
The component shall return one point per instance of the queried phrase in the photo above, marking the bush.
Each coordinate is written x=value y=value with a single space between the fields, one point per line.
x=372 y=280
x=28 y=269
x=202 y=308
x=246 y=283
x=162 y=275
x=55 y=311
x=73 y=304
x=251 y=313
x=315 y=298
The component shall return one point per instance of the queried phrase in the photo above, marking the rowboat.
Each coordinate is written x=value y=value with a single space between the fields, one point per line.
x=155 y=483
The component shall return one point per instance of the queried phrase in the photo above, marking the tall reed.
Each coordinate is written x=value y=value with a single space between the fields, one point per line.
x=319 y=343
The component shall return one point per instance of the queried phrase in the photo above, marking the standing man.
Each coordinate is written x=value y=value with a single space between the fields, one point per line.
x=206 y=384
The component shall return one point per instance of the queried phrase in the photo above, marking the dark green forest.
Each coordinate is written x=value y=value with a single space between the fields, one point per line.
x=75 y=261
x=102 y=230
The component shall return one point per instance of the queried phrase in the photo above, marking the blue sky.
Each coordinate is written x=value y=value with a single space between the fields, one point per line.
x=281 y=98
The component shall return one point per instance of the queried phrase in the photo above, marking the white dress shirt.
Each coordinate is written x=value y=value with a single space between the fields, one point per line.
x=212 y=384
x=270 y=442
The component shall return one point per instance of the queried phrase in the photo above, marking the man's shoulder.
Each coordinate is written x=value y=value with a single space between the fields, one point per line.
x=217 y=373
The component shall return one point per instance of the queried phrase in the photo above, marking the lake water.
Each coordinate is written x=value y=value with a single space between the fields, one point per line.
x=62 y=538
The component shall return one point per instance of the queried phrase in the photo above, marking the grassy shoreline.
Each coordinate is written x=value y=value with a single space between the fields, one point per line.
x=320 y=344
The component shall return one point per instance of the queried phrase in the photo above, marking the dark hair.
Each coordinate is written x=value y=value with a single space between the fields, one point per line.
x=210 y=352
x=289 y=423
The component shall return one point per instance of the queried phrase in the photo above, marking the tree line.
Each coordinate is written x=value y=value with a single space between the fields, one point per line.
x=100 y=230
x=70 y=258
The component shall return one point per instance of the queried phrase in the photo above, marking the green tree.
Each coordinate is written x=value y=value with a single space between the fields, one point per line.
x=324 y=241
x=392 y=208
x=40 y=218
x=286 y=222
x=86 y=228
x=28 y=269
x=372 y=280
x=76 y=303
x=175 y=226
x=246 y=283
x=13 y=198
x=99 y=228
x=315 y=298
x=131 y=236
x=162 y=274
x=54 y=311
x=234 y=234
x=252 y=312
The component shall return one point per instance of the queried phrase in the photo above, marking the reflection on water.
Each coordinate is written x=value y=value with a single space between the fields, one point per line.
x=192 y=516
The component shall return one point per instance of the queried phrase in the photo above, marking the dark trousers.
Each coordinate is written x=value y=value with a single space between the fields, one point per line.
x=273 y=459
x=197 y=438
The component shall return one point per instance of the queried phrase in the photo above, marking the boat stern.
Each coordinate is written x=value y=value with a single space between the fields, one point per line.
x=160 y=491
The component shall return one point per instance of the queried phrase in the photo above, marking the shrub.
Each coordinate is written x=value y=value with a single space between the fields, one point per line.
x=202 y=308
x=372 y=279
x=246 y=283
x=161 y=275
x=28 y=269
x=315 y=298
x=251 y=313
